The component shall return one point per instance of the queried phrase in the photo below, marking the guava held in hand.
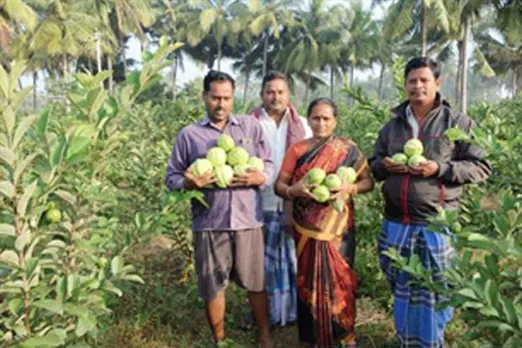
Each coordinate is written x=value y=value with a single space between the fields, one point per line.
x=321 y=193
x=347 y=173
x=256 y=162
x=416 y=160
x=217 y=156
x=315 y=176
x=237 y=155
x=400 y=158
x=200 y=167
x=241 y=169
x=226 y=142
x=333 y=182
x=413 y=147
x=224 y=175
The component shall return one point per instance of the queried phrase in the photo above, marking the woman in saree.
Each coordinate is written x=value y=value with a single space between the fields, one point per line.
x=326 y=280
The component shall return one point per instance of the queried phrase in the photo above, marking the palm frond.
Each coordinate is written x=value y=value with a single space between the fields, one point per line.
x=399 y=19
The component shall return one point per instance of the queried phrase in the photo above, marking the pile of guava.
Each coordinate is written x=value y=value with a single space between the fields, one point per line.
x=322 y=184
x=411 y=155
x=225 y=160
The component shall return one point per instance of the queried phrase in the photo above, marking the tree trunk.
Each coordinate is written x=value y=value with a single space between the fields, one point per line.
x=219 y=57
x=111 y=81
x=458 y=84
x=346 y=79
x=424 y=30
x=515 y=84
x=144 y=43
x=352 y=69
x=65 y=78
x=464 y=73
x=245 y=92
x=35 y=94
x=308 y=82
x=99 y=55
x=175 y=76
x=381 y=81
x=123 y=55
x=65 y=66
x=352 y=73
x=50 y=70
x=98 y=51
x=265 y=54
x=331 y=82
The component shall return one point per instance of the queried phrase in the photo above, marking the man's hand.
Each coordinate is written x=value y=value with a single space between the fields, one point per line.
x=192 y=182
x=393 y=167
x=253 y=177
x=425 y=169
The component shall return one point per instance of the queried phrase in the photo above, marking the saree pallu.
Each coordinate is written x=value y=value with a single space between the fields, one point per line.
x=417 y=321
x=326 y=281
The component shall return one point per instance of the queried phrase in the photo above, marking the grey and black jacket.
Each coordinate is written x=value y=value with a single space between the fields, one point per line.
x=413 y=199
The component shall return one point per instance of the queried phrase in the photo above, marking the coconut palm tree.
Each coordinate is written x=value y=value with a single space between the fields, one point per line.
x=169 y=23
x=361 y=49
x=247 y=62
x=339 y=23
x=502 y=52
x=214 y=23
x=400 y=19
x=64 y=31
x=35 y=60
x=266 y=18
x=12 y=14
x=470 y=12
x=509 y=22
x=125 y=17
x=310 y=43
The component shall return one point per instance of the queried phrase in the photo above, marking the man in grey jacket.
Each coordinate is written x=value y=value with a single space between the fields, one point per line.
x=413 y=194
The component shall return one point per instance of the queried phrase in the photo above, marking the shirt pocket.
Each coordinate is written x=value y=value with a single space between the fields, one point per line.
x=248 y=144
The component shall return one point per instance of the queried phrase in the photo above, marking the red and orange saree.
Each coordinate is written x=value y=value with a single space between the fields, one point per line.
x=326 y=281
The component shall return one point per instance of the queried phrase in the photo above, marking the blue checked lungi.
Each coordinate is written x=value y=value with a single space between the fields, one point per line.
x=280 y=270
x=417 y=322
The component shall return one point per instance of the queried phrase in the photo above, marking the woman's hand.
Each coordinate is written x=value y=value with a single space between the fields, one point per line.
x=299 y=189
x=344 y=191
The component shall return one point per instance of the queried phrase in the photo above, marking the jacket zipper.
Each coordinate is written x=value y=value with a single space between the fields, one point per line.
x=442 y=187
x=404 y=188
x=406 y=178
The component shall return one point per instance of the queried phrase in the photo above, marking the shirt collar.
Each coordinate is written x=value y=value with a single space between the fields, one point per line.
x=409 y=111
x=232 y=120
x=264 y=114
